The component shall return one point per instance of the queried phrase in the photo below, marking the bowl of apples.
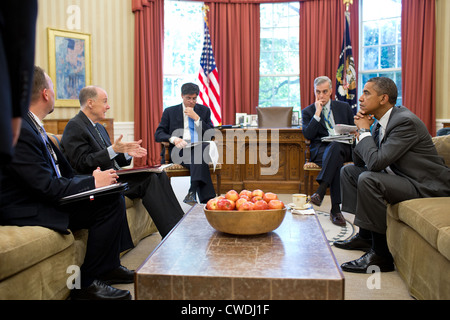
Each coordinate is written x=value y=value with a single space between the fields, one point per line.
x=245 y=213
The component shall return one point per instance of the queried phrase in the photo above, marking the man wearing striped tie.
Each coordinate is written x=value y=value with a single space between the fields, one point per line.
x=187 y=123
x=319 y=120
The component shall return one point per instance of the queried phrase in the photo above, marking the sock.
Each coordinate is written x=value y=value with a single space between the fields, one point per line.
x=194 y=187
x=322 y=189
x=335 y=208
x=379 y=244
x=365 y=234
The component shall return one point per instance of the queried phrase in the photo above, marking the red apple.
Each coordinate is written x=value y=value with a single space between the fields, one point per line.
x=225 y=204
x=255 y=198
x=244 y=196
x=239 y=202
x=232 y=195
x=275 y=204
x=261 y=205
x=212 y=204
x=258 y=192
x=269 y=196
x=246 y=206
x=245 y=192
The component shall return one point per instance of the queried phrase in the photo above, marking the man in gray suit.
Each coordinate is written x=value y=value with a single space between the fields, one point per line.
x=396 y=161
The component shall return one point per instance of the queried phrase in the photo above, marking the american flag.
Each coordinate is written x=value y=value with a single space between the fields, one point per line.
x=209 y=78
x=346 y=73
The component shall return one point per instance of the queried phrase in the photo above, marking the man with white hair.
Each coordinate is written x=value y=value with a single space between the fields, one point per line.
x=319 y=120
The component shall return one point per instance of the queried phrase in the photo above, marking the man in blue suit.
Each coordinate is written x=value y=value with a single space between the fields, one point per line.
x=319 y=120
x=183 y=124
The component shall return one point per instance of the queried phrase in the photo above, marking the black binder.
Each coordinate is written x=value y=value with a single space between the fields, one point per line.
x=92 y=194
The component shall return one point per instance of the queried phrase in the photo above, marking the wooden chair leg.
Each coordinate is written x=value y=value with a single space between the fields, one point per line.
x=305 y=182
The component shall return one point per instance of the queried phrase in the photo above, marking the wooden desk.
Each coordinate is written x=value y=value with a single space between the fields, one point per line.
x=242 y=152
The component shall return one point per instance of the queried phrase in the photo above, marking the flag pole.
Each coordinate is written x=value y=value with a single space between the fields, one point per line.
x=205 y=10
x=347 y=4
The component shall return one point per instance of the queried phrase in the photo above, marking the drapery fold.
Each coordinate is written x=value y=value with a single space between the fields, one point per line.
x=419 y=60
x=321 y=32
x=235 y=34
x=148 y=76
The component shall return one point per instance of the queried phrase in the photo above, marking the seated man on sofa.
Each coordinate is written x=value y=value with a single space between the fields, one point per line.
x=397 y=161
x=86 y=144
x=39 y=176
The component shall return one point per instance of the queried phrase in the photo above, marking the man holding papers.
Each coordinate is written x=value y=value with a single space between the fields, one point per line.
x=187 y=123
x=87 y=145
x=319 y=121
x=39 y=176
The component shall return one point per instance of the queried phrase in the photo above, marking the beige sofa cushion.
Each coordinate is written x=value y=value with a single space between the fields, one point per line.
x=429 y=217
x=443 y=242
x=442 y=144
x=22 y=247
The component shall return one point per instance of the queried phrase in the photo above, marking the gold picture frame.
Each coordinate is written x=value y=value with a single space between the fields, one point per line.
x=69 y=64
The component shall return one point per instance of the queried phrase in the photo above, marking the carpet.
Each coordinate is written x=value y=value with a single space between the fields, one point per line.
x=332 y=231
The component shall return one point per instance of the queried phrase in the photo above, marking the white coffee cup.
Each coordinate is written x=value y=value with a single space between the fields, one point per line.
x=300 y=200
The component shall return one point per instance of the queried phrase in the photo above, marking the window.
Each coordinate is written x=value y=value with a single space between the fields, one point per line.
x=279 y=83
x=183 y=43
x=380 y=42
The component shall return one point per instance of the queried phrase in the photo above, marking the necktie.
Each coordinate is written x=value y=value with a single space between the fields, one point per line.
x=50 y=150
x=115 y=164
x=376 y=134
x=327 y=118
x=194 y=135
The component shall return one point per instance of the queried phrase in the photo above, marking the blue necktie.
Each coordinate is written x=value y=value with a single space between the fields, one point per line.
x=376 y=134
x=194 y=135
x=50 y=151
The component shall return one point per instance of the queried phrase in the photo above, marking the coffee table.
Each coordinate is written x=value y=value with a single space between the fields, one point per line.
x=196 y=262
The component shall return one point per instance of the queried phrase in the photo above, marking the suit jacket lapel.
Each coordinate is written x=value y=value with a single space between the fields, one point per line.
x=90 y=128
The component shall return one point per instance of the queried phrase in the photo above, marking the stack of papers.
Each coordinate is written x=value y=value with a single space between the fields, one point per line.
x=342 y=138
x=344 y=128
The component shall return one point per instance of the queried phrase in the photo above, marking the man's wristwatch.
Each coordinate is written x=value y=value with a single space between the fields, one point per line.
x=363 y=130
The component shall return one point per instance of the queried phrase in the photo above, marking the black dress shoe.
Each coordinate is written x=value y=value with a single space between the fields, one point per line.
x=338 y=219
x=118 y=275
x=99 y=290
x=316 y=199
x=354 y=243
x=190 y=198
x=384 y=264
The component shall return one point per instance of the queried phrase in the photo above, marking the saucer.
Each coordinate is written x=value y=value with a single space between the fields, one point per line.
x=305 y=207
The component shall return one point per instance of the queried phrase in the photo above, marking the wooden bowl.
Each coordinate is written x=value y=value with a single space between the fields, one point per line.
x=245 y=222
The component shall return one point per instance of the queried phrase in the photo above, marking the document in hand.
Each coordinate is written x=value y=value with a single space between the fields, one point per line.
x=156 y=169
x=91 y=194
x=344 y=128
x=341 y=138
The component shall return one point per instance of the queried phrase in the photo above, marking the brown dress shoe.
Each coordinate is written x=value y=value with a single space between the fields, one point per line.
x=338 y=219
x=316 y=199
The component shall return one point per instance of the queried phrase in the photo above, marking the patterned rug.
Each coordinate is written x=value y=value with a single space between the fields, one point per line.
x=332 y=231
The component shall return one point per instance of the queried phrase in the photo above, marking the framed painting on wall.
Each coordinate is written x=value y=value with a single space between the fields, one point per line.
x=69 y=64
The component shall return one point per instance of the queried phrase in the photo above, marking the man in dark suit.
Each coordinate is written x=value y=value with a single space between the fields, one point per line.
x=39 y=176
x=180 y=125
x=399 y=163
x=319 y=120
x=87 y=145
